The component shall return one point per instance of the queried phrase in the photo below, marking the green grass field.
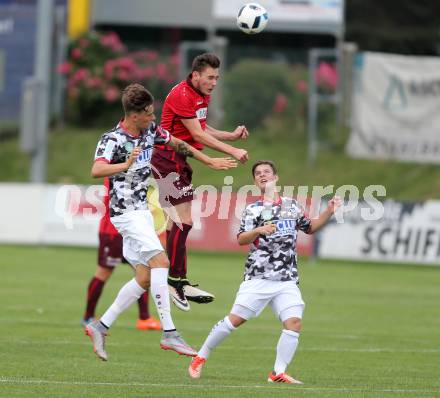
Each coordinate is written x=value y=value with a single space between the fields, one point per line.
x=370 y=330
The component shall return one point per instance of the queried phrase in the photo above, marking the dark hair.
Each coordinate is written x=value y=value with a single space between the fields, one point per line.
x=135 y=98
x=202 y=61
x=260 y=162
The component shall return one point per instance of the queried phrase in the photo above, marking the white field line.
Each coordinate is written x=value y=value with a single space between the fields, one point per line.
x=212 y=386
x=111 y=343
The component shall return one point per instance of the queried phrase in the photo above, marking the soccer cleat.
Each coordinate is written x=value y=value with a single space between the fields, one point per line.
x=97 y=332
x=173 y=341
x=177 y=294
x=195 y=367
x=148 y=324
x=86 y=321
x=282 y=378
x=193 y=293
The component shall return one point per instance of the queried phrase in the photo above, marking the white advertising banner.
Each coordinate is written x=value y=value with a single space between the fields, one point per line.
x=396 y=108
x=69 y=215
x=407 y=233
x=21 y=205
x=50 y=214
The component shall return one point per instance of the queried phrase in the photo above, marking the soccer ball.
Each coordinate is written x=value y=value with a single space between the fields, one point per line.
x=252 y=18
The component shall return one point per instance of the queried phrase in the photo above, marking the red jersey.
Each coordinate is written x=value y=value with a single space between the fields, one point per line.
x=105 y=225
x=184 y=102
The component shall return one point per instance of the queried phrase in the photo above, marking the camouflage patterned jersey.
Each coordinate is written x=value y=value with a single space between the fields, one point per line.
x=274 y=256
x=128 y=189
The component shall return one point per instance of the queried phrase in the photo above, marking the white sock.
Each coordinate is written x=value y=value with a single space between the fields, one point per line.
x=129 y=294
x=286 y=348
x=161 y=297
x=218 y=333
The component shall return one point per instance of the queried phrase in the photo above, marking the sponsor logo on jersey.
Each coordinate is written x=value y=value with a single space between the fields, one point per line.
x=145 y=156
x=143 y=159
x=199 y=102
x=289 y=213
x=128 y=146
x=285 y=226
x=202 y=113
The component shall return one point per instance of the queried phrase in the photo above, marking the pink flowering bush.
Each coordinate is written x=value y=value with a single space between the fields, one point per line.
x=99 y=66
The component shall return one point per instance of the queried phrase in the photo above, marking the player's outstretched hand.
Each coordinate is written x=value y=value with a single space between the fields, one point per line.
x=133 y=156
x=241 y=155
x=267 y=229
x=334 y=204
x=223 y=163
x=240 y=132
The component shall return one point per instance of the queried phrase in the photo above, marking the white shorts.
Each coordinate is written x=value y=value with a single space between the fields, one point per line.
x=253 y=296
x=140 y=241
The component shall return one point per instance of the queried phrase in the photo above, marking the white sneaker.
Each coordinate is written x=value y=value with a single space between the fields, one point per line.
x=178 y=298
x=173 y=341
x=193 y=293
x=97 y=334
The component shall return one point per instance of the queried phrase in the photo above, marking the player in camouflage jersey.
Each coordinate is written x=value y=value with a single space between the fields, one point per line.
x=124 y=154
x=109 y=256
x=270 y=226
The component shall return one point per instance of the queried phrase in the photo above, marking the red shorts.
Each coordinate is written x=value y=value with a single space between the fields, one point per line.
x=164 y=163
x=110 y=251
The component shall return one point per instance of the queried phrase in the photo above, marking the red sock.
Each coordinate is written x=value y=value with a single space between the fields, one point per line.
x=144 y=313
x=93 y=293
x=176 y=248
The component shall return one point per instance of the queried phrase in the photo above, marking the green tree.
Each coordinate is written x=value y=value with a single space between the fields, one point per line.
x=399 y=26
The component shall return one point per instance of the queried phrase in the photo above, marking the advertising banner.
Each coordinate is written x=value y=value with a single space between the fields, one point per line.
x=70 y=214
x=407 y=233
x=396 y=108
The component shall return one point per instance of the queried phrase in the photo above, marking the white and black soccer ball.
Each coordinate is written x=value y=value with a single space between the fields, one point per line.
x=252 y=18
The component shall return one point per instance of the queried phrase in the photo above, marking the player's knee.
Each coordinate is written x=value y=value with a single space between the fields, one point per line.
x=236 y=320
x=165 y=263
x=159 y=261
x=143 y=276
x=293 y=324
x=103 y=273
x=143 y=283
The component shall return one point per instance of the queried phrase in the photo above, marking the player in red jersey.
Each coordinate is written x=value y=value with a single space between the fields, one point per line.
x=184 y=115
x=109 y=256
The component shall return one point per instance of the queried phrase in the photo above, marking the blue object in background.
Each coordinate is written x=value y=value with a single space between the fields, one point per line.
x=17 y=46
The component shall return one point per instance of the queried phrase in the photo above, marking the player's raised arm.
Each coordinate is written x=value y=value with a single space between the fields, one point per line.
x=101 y=168
x=333 y=205
x=195 y=129
x=240 y=132
x=187 y=150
